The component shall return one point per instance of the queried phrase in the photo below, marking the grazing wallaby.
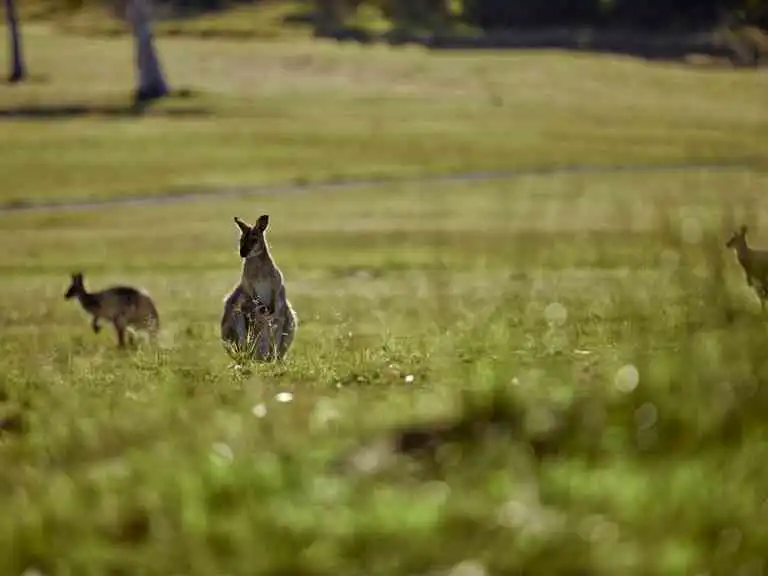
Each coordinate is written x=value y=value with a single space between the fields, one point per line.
x=257 y=314
x=754 y=263
x=122 y=305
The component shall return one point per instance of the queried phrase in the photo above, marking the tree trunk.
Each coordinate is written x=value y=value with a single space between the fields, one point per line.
x=18 y=70
x=152 y=84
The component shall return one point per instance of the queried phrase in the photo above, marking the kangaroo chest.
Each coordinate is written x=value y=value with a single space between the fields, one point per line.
x=744 y=260
x=262 y=289
x=258 y=281
x=748 y=265
x=90 y=303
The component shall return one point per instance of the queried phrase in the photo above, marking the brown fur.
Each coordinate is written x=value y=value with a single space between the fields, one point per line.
x=754 y=262
x=257 y=308
x=244 y=317
x=123 y=306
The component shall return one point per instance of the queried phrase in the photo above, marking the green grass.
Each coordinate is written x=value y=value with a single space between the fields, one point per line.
x=261 y=20
x=300 y=111
x=514 y=314
x=154 y=462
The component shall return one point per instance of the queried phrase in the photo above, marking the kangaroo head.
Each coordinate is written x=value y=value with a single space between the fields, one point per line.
x=76 y=286
x=738 y=239
x=252 y=240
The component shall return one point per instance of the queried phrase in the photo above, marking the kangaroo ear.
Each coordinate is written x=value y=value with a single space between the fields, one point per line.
x=743 y=229
x=244 y=228
x=262 y=223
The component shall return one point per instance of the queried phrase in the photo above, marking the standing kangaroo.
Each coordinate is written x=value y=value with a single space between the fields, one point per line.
x=257 y=314
x=754 y=262
x=122 y=305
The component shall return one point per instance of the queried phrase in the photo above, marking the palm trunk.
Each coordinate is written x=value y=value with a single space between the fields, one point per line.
x=18 y=70
x=152 y=83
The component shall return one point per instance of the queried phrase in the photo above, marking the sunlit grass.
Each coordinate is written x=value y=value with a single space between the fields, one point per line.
x=587 y=344
x=313 y=111
x=259 y=20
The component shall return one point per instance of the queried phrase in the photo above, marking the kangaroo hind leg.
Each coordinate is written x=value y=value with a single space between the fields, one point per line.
x=120 y=324
x=285 y=335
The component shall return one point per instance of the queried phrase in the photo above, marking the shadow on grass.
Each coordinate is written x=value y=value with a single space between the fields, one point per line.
x=725 y=48
x=67 y=111
x=135 y=108
x=28 y=79
x=682 y=48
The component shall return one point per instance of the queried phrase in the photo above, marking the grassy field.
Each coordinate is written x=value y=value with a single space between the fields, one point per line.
x=549 y=292
x=259 y=21
x=583 y=349
x=301 y=112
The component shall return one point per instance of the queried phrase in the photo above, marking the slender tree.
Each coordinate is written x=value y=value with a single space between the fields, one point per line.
x=151 y=79
x=18 y=70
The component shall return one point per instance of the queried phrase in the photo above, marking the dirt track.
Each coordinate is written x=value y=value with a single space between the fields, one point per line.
x=208 y=193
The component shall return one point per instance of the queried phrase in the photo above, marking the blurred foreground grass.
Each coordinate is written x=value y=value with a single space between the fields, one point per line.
x=586 y=343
